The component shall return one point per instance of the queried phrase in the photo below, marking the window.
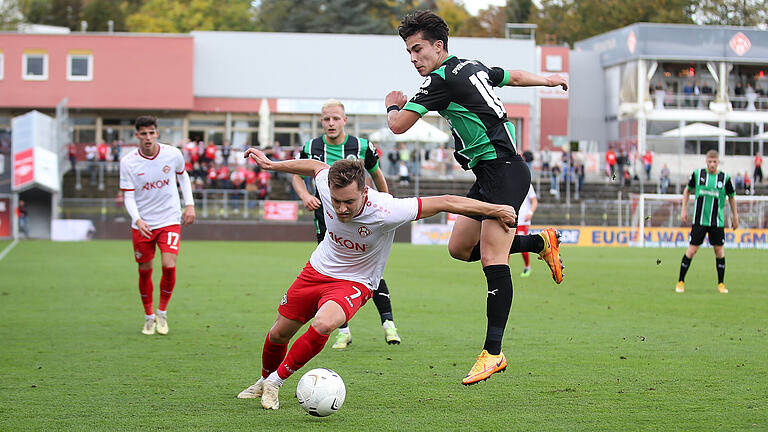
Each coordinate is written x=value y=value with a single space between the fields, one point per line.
x=554 y=63
x=80 y=66
x=35 y=65
x=2 y=64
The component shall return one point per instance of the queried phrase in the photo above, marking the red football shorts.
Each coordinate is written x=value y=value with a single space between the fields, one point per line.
x=311 y=290
x=522 y=230
x=167 y=238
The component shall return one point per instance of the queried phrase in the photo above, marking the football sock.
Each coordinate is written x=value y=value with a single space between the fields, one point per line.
x=145 y=289
x=343 y=328
x=271 y=356
x=161 y=313
x=381 y=299
x=684 y=265
x=167 y=282
x=302 y=351
x=498 y=303
x=522 y=243
x=720 y=263
x=275 y=378
x=527 y=243
x=149 y=316
x=526 y=259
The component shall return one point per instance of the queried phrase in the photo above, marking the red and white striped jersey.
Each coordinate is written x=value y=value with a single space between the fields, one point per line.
x=154 y=182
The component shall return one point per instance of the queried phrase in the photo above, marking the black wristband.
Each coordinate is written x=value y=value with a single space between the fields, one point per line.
x=393 y=108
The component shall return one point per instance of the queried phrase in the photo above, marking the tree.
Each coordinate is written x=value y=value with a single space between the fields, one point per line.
x=10 y=15
x=183 y=16
x=98 y=13
x=519 y=11
x=63 y=13
x=732 y=12
x=569 y=21
x=330 y=16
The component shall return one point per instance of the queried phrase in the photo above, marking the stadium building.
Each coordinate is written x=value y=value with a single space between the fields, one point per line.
x=248 y=87
x=678 y=90
x=251 y=89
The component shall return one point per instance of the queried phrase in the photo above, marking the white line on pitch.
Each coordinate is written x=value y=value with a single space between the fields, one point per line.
x=8 y=249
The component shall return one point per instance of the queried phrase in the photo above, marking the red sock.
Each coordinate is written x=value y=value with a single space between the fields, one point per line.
x=302 y=351
x=167 y=282
x=271 y=356
x=526 y=259
x=145 y=289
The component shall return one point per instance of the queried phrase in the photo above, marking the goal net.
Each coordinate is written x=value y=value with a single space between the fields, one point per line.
x=656 y=221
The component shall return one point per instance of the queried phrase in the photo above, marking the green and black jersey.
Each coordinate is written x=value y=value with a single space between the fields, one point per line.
x=462 y=92
x=352 y=148
x=711 y=191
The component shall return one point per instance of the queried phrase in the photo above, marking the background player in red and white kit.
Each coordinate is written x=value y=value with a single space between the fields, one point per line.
x=148 y=178
x=346 y=266
x=527 y=209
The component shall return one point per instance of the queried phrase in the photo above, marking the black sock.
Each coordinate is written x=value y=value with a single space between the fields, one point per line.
x=720 y=264
x=684 y=267
x=527 y=243
x=381 y=299
x=345 y=325
x=522 y=243
x=498 y=303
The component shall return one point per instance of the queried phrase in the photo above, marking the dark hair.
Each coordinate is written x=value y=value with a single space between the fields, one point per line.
x=345 y=171
x=431 y=26
x=145 y=121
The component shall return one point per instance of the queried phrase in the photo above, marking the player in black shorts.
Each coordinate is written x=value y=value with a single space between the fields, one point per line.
x=711 y=189
x=462 y=92
x=333 y=145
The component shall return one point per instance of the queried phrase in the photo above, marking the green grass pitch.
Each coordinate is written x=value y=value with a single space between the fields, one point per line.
x=612 y=348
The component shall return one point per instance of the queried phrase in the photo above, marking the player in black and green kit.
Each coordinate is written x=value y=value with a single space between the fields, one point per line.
x=333 y=145
x=710 y=187
x=462 y=92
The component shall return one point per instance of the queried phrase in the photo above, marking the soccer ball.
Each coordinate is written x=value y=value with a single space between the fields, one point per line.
x=321 y=392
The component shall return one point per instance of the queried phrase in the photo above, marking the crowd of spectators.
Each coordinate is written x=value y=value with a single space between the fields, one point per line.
x=222 y=167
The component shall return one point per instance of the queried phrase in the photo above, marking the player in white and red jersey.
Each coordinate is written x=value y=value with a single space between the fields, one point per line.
x=346 y=266
x=527 y=208
x=148 y=179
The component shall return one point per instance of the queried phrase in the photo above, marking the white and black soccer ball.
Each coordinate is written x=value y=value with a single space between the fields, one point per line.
x=321 y=392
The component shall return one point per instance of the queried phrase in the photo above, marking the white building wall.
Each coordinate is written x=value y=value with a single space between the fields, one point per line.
x=319 y=66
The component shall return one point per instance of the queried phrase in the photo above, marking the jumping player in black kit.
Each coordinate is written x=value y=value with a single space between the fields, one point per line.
x=333 y=145
x=462 y=92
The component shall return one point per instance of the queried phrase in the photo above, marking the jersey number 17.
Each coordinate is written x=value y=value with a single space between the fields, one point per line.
x=480 y=81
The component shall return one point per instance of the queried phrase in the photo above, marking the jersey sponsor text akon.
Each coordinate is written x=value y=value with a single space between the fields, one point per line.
x=154 y=182
x=358 y=250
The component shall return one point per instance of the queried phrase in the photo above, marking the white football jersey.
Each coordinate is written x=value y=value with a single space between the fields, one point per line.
x=525 y=208
x=154 y=182
x=358 y=250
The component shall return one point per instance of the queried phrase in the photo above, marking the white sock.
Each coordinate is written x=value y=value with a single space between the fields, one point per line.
x=344 y=330
x=527 y=268
x=275 y=378
x=388 y=323
x=148 y=317
x=162 y=313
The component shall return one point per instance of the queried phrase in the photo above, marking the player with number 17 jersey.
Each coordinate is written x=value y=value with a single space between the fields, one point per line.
x=153 y=180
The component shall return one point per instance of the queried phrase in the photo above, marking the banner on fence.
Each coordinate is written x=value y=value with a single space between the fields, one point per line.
x=611 y=236
x=281 y=210
x=5 y=218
